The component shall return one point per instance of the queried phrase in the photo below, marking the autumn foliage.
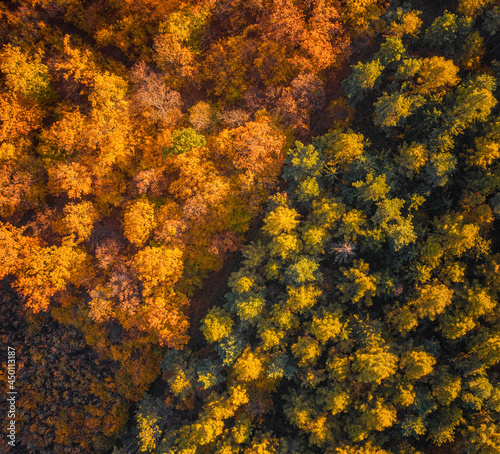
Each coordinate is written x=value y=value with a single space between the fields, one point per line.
x=144 y=143
x=363 y=317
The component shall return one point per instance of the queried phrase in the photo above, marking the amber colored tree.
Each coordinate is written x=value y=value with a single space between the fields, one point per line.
x=139 y=221
x=48 y=270
x=25 y=75
x=72 y=178
x=79 y=220
x=151 y=92
x=12 y=244
x=158 y=266
x=165 y=315
x=436 y=75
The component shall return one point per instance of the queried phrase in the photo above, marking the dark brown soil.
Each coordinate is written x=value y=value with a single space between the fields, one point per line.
x=211 y=293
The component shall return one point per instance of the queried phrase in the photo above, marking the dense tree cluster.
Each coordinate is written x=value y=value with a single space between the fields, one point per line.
x=138 y=144
x=363 y=318
x=66 y=397
x=141 y=143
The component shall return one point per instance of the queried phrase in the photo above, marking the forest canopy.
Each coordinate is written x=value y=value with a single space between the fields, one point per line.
x=330 y=168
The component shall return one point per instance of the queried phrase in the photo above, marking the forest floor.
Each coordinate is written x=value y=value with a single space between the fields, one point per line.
x=213 y=291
